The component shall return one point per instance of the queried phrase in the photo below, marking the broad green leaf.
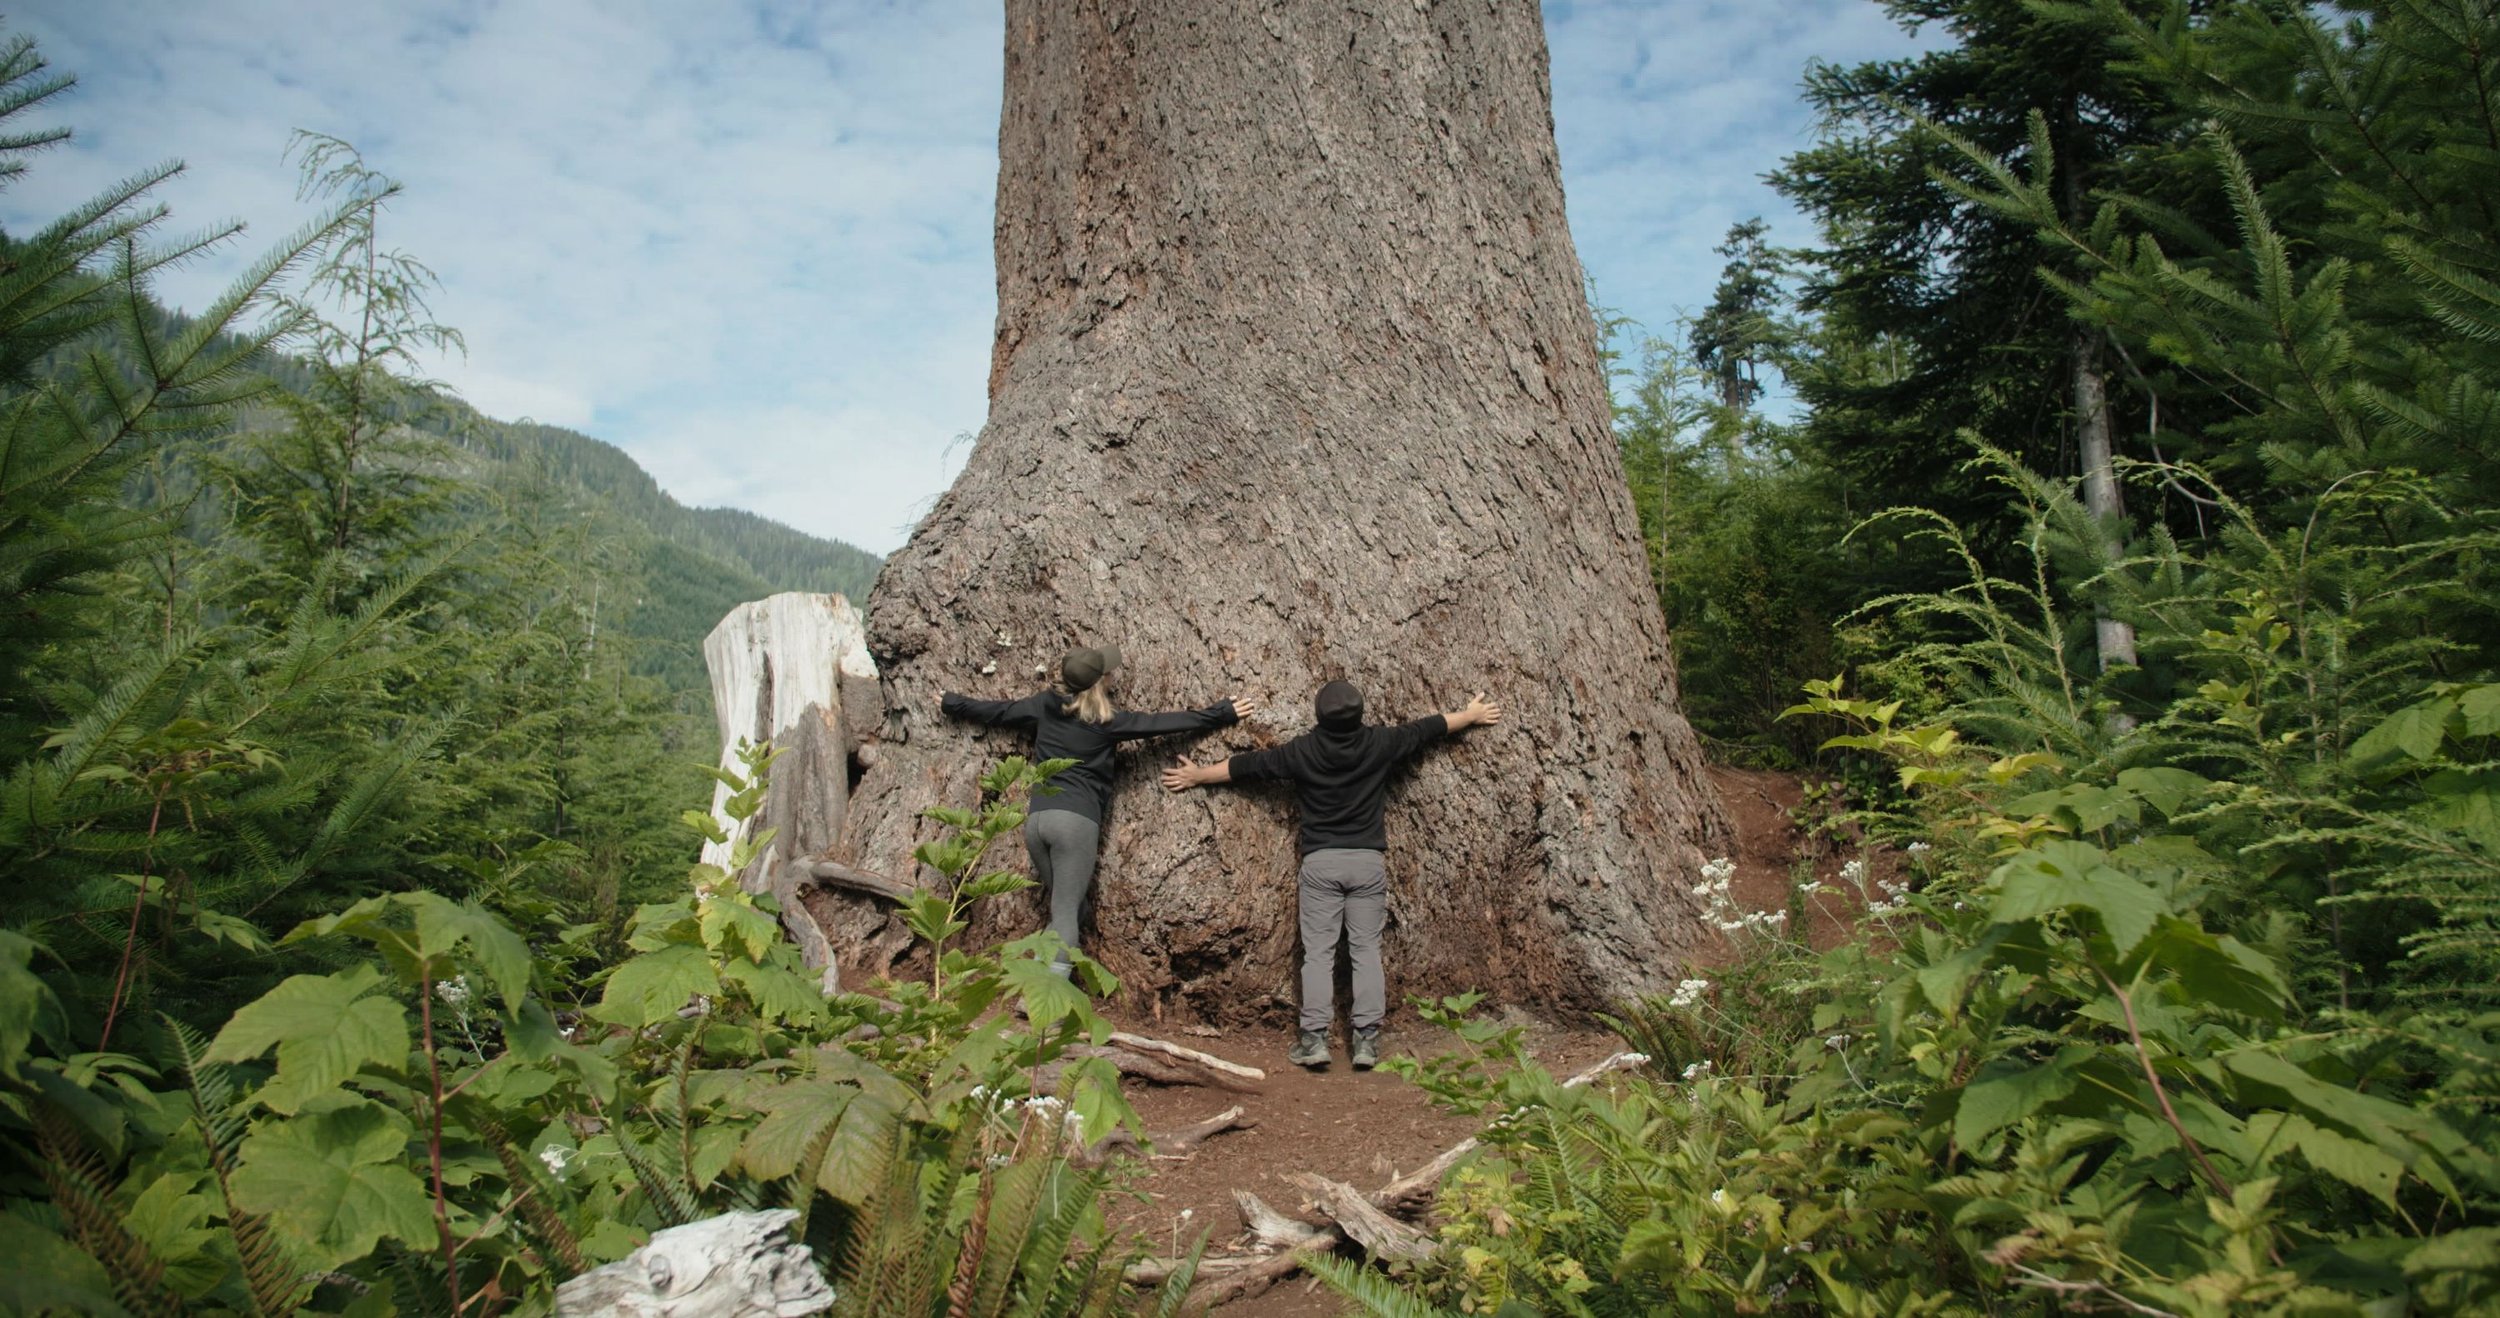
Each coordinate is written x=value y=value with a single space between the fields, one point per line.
x=2010 y=1089
x=2163 y=789
x=2481 y=706
x=725 y=920
x=1093 y=1085
x=2365 y=1167
x=46 y=1273
x=2413 y=732
x=2217 y=970
x=2069 y=875
x=794 y=1115
x=2471 y=1250
x=335 y=1181
x=994 y=884
x=1047 y=998
x=777 y=993
x=325 y=1028
x=855 y=1159
x=2466 y=802
x=2400 y=1130
x=26 y=1002
x=172 y=1220
x=652 y=986
x=443 y=925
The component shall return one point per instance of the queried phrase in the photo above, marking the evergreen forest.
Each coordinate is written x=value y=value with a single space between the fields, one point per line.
x=2099 y=512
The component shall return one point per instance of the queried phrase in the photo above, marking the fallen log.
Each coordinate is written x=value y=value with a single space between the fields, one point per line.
x=1249 y=1280
x=1362 y=1221
x=1271 y=1229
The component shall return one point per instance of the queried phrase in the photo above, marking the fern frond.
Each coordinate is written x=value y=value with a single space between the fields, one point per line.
x=1376 y=1294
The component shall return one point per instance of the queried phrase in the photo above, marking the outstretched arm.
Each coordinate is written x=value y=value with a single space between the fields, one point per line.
x=994 y=713
x=1478 y=710
x=1125 y=726
x=1184 y=774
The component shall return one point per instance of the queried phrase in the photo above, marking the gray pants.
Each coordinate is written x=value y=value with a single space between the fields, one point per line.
x=1344 y=892
x=1062 y=844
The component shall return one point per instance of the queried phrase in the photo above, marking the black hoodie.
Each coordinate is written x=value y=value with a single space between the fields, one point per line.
x=1057 y=734
x=1341 y=772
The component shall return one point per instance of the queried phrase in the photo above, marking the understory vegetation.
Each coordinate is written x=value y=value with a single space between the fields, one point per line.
x=353 y=961
x=2103 y=511
x=2174 y=979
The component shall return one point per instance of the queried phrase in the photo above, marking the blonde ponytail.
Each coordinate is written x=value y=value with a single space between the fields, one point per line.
x=1093 y=704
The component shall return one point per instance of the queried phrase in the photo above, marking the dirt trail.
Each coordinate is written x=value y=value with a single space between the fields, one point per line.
x=1364 y=1129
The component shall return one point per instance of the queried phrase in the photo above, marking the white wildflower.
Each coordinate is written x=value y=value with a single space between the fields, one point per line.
x=1697 y=1070
x=1687 y=993
x=1634 y=1059
x=558 y=1158
x=1836 y=1042
x=453 y=992
x=1918 y=848
x=1188 y=1213
x=1853 y=872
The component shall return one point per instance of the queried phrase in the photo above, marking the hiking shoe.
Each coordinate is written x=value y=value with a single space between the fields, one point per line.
x=1366 y=1048
x=1310 y=1050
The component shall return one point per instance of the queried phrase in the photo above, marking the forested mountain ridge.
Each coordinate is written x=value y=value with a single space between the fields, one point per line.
x=694 y=564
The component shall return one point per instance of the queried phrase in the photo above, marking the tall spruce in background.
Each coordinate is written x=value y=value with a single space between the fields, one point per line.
x=1983 y=346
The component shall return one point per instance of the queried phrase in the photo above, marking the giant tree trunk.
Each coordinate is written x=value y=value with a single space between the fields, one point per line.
x=1295 y=379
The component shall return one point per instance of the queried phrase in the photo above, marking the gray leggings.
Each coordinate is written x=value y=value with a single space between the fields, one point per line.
x=1062 y=844
x=1344 y=893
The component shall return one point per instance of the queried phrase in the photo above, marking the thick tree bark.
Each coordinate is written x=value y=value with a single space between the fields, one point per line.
x=1295 y=379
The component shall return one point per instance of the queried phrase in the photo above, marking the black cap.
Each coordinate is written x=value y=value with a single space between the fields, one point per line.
x=1339 y=705
x=1084 y=667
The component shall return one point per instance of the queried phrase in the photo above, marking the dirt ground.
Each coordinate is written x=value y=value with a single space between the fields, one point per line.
x=1365 y=1129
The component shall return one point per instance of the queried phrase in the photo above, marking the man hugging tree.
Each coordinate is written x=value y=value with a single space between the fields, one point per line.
x=1340 y=771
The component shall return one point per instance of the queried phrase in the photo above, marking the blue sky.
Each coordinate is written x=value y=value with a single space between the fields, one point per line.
x=750 y=242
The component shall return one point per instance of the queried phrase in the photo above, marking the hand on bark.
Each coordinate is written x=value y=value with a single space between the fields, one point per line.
x=1479 y=710
x=1244 y=707
x=1184 y=775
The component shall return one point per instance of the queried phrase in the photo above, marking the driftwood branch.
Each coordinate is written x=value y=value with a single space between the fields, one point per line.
x=1171 y=1144
x=1360 y=1219
x=1210 y=1061
x=736 y=1265
x=1271 y=1229
x=1355 y=1216
x=1256 y=1274
x=1165 y=1069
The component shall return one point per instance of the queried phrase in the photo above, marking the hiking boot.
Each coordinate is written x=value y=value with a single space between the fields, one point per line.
x=1366 y=1048
x=1310 y=1050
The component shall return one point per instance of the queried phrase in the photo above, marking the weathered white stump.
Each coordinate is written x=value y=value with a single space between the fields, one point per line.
x=794 y=670
x=737 y=1265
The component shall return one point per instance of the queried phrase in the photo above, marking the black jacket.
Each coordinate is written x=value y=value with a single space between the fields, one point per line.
x=1057 y=735
x=1342 y=776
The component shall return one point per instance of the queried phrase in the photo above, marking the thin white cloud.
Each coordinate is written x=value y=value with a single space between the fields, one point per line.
x=751 y=243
